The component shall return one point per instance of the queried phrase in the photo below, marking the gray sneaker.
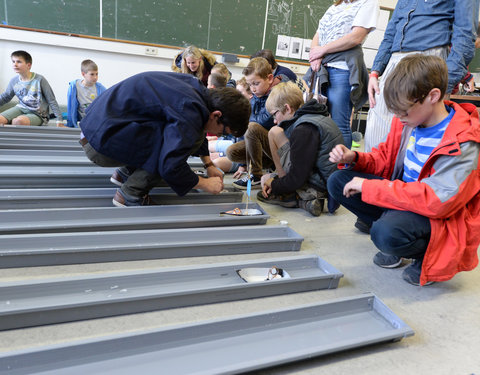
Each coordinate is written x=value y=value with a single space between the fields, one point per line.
x=387 y=261
x=314 y=206
x=411 y=274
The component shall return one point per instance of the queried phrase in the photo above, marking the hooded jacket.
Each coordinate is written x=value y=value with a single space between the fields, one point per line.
x=72 y=104
x=312 y=135
x=447 y=190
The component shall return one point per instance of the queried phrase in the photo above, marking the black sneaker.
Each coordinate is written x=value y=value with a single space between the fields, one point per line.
x=285 y=200
x=362 y=226
x=314 y=206
x=121 y=200
x=411 y=274
x=387 y=261
x=243 y=182
x=332 y=204
x=118 y=177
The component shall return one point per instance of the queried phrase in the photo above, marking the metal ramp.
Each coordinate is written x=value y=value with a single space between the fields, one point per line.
x=38 y=130
x=47 y=249
x=19 y=199
x=38 y=144
x=114 y=218
x=223 y=346
x=51 y=301
x=14 y=177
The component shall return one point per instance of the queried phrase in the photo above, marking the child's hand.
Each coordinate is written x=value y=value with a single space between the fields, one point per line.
x=241 y=170
x=60 y=124
x=353 y=187
x=266 y=182
x=341 y=154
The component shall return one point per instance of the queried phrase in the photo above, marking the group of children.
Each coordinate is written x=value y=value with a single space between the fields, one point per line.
x=417 y=193
x=36 y=98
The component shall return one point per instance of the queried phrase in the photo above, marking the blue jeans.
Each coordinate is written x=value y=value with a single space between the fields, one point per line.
x=339 y=104
x=394 y=232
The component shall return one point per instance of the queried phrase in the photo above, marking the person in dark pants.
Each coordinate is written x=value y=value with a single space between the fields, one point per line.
x=150 y=123
x=419 y=191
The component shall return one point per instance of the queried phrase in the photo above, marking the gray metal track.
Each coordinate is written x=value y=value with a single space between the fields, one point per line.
x=114 y=218
x=67 y=299
x=15 y=177
x=46 y=249
x=223 y=346
x=19 y=199
x=39 y=144
x=28 y=161
x=37 y=130
x=10 y=153
x=54 y=136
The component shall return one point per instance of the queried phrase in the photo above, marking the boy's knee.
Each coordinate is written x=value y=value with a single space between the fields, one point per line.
x=384 y=236
x=21 y=120
x=336 y=183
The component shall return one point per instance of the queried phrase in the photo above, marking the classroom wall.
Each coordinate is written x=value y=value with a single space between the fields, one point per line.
x=58 y=57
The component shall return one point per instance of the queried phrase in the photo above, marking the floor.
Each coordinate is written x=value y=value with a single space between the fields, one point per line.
x=445 y=316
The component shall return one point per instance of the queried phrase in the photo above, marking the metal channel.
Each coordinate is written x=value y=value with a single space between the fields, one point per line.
x=46 y=249
x=128 y=218
x=20 y=199
x=37 y=130
x=52 y=301
x=222 y=346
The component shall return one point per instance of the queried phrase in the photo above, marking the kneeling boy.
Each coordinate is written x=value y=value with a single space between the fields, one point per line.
x=419 y=191
x=300 y=147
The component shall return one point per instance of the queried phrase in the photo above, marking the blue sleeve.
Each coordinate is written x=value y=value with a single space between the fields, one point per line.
x=463 y=40
x=72 y=105
x=100 y=88
x=385 y=50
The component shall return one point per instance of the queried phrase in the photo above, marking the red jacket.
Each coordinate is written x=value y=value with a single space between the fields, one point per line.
x=447 y=190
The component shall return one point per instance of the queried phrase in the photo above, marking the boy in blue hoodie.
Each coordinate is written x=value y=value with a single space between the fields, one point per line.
x=82 y=92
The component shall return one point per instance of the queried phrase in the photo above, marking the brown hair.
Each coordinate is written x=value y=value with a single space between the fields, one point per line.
x=268 y=55
x=24 y=55
x=217 y=80
x=412 y=80
x=234 y=106
x=222 y=69
x=258 y=66
x=88 y=66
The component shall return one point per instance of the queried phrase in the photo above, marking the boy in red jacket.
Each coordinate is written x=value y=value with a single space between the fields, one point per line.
x=419 y=191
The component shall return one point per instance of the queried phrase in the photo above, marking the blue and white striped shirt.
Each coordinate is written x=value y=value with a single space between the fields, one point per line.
x=421 y=144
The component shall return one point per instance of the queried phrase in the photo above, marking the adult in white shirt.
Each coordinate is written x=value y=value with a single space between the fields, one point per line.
x=337 y=56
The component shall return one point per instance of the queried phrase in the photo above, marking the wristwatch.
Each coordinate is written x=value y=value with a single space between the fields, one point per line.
x=209 y=164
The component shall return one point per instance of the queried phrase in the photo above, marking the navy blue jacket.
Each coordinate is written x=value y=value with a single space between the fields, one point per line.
x=153 y=121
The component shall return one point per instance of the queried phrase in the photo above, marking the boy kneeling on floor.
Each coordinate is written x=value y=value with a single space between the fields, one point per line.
x=418 y=193
x=300 y=147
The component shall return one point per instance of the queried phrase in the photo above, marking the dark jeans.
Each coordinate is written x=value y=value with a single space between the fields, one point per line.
x=139 y=182
x=394 y=232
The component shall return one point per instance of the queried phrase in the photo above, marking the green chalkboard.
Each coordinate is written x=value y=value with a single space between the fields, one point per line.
x=76 y=17
x=474 y=65
x=297 y=18
x=233 y=26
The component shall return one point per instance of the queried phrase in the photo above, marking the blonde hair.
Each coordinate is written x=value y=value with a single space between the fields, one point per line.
x=222 y=69
x=196 y=54
x=258 y=66
x=284 y=93
x=88 y=66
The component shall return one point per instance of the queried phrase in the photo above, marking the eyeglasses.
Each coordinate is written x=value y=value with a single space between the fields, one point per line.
x=275 y=113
